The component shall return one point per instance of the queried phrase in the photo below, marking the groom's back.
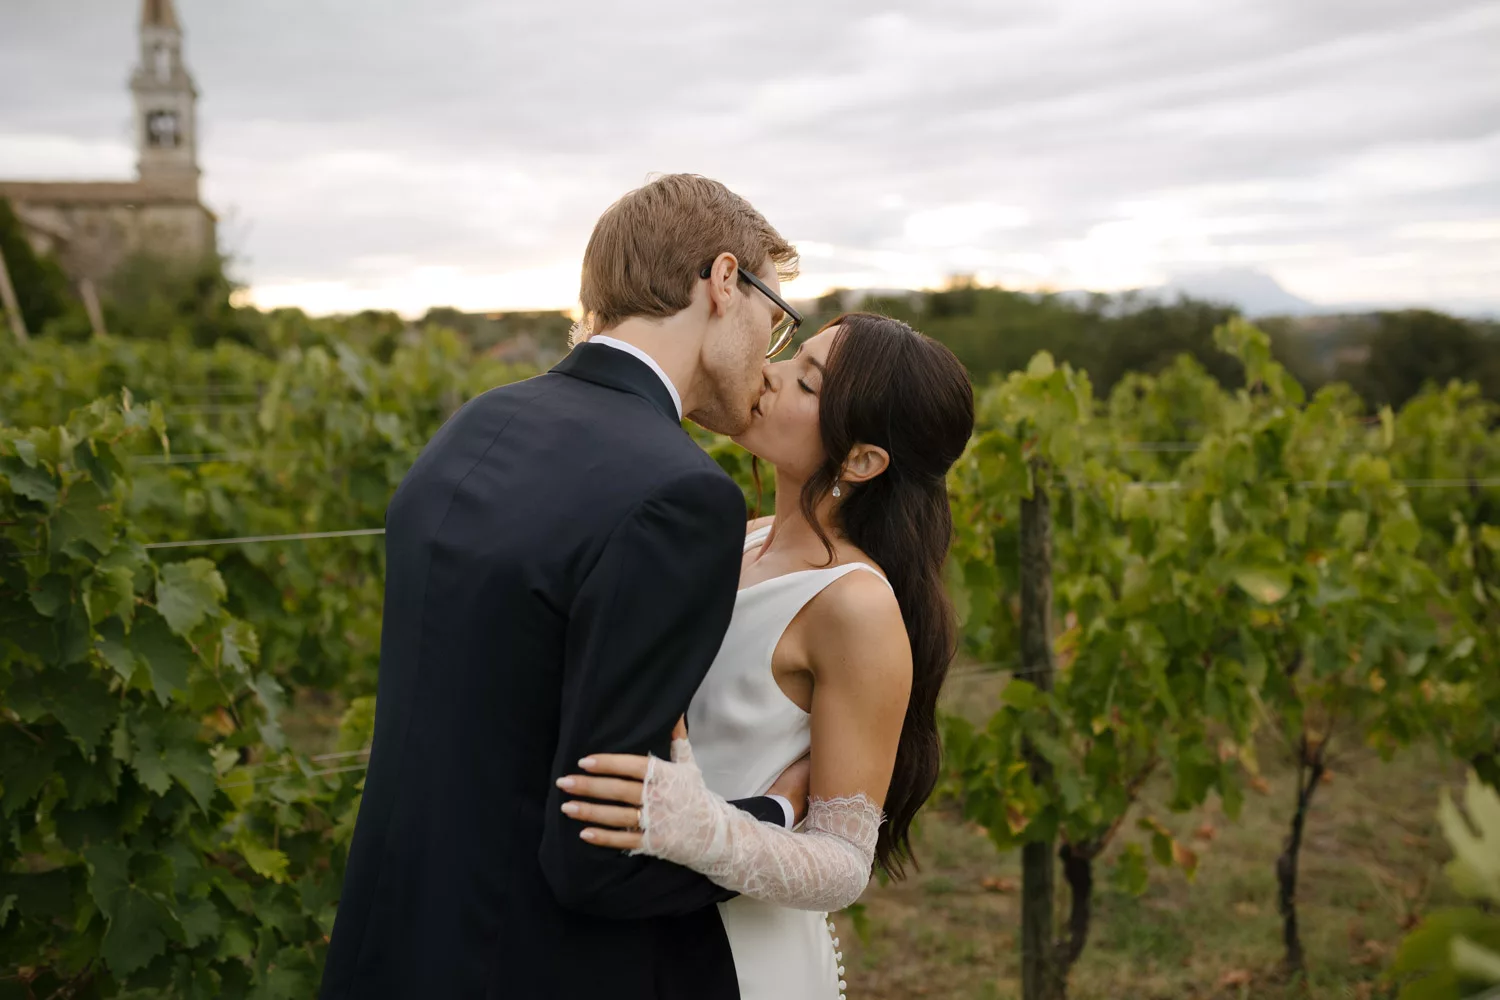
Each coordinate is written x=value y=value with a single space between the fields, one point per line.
x=489 y=539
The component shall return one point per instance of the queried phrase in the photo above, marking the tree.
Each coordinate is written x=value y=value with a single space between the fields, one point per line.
x=1414 y=348
x=42 y=288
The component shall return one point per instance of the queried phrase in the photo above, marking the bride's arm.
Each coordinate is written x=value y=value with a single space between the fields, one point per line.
x=857 y=649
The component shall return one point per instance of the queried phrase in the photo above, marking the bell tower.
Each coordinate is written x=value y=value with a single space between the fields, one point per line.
x=166 y=121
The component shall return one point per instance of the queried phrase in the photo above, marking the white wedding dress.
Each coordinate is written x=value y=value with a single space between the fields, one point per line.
x=744 y=732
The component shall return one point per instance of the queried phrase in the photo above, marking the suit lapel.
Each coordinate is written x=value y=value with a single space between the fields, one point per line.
x=614 y=369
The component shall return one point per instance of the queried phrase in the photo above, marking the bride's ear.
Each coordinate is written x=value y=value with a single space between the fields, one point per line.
x=865 y=462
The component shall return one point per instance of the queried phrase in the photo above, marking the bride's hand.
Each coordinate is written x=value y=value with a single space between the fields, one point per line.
x=616 y=780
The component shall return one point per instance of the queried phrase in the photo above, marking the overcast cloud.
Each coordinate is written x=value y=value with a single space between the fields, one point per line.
x=401 y=154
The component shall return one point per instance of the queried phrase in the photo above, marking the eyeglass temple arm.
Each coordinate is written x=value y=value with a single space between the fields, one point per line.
x=781 y=303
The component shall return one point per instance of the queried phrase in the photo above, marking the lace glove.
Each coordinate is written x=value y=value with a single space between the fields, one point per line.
x=823 y=865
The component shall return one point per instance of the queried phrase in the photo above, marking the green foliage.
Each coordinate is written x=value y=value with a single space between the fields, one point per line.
x=1409 y=350
x=1387 y=357
x=149 y=297
x=994 y=331
x=315 y=440
x=1278 y=574
x=1455 y=952
x=1149 y=664
x=42 y=289
x=145 y=851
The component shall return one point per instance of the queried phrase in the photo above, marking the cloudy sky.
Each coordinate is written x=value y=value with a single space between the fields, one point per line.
x=390 y=153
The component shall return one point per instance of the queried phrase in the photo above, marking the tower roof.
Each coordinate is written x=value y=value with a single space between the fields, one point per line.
x=159 y=14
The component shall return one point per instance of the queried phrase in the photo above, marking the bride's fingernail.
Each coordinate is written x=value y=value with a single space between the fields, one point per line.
x=565 y=782
x=571 y=808
x=587 y=762
x=587 y=835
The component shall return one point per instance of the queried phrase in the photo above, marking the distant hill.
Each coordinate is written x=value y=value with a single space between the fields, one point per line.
x=1255 y=293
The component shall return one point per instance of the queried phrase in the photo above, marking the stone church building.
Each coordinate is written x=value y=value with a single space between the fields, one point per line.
x=91 y=227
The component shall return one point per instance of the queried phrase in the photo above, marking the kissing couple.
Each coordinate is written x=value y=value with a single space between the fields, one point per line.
x=626 y=744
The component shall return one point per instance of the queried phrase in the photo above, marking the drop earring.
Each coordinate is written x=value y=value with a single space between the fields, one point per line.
x=836 y=491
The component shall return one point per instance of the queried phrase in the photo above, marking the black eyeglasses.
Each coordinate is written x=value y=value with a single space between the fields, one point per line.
x=783 y=332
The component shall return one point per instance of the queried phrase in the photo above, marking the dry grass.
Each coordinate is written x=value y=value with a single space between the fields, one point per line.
x=1371 y=861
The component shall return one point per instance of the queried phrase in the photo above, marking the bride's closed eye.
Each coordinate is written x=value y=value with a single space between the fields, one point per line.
x=818 y=365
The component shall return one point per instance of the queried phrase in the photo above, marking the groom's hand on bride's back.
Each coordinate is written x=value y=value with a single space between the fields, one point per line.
x=793 y=785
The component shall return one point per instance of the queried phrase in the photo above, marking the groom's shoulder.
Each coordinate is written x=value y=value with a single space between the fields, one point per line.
x=603 y=434
x=671 y=469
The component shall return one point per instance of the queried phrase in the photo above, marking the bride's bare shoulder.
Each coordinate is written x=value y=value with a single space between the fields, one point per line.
x=854 y=627
x=758 y=523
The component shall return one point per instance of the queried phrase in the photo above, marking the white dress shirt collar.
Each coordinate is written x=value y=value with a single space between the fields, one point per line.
x=636 y=352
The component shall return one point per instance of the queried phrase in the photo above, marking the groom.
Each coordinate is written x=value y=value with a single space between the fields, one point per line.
x=561 y=567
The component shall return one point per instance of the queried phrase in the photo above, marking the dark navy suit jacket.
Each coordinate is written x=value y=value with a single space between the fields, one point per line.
x=561 y=565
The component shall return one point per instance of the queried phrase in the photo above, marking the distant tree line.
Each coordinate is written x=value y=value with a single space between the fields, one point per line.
x=1385 y=356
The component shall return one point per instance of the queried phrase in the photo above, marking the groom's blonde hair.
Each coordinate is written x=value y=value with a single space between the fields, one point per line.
x=649 y=247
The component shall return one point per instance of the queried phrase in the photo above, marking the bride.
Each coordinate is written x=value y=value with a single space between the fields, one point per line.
x=840 y=640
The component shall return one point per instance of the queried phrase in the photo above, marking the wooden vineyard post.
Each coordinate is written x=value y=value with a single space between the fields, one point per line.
x=91 y=305
x=8 y=300
x=1039 y=980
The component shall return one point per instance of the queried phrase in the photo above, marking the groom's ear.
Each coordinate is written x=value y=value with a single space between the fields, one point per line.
x=722 y=276
x=865 y=462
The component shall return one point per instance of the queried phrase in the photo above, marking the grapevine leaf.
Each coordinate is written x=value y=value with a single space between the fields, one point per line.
x=167 y=656
x=29 y=482
x=193 y=770
x=42 y=895
x=271 y=697
x=1353 y=526
x=94 y=458
x=1476 y=961
x=110 y=591
x=199 y=919
x=263 y=859
x=357 y=726
x=1020 y=695
x=89 y=781
x=25 y=766
x=147 y=760
x=136 y=934
x=52 y=595
x=109 y=873
x=113 y=649
x=188 y=593
x=83 y=526
x=72 y=636
x=1475 y=868
x=26 y=451
x=1041 y=367
x=240 y=644
x=234 y=942
x=1266 y=584
x=1131 y=873
x=81 y=702
x=1427 y=950
x=1185 y=858
x=292 y=977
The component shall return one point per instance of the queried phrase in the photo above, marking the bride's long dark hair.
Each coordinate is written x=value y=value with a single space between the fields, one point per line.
x=891 y=386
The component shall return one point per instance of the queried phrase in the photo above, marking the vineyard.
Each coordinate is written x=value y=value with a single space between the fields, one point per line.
x=1156 y=588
